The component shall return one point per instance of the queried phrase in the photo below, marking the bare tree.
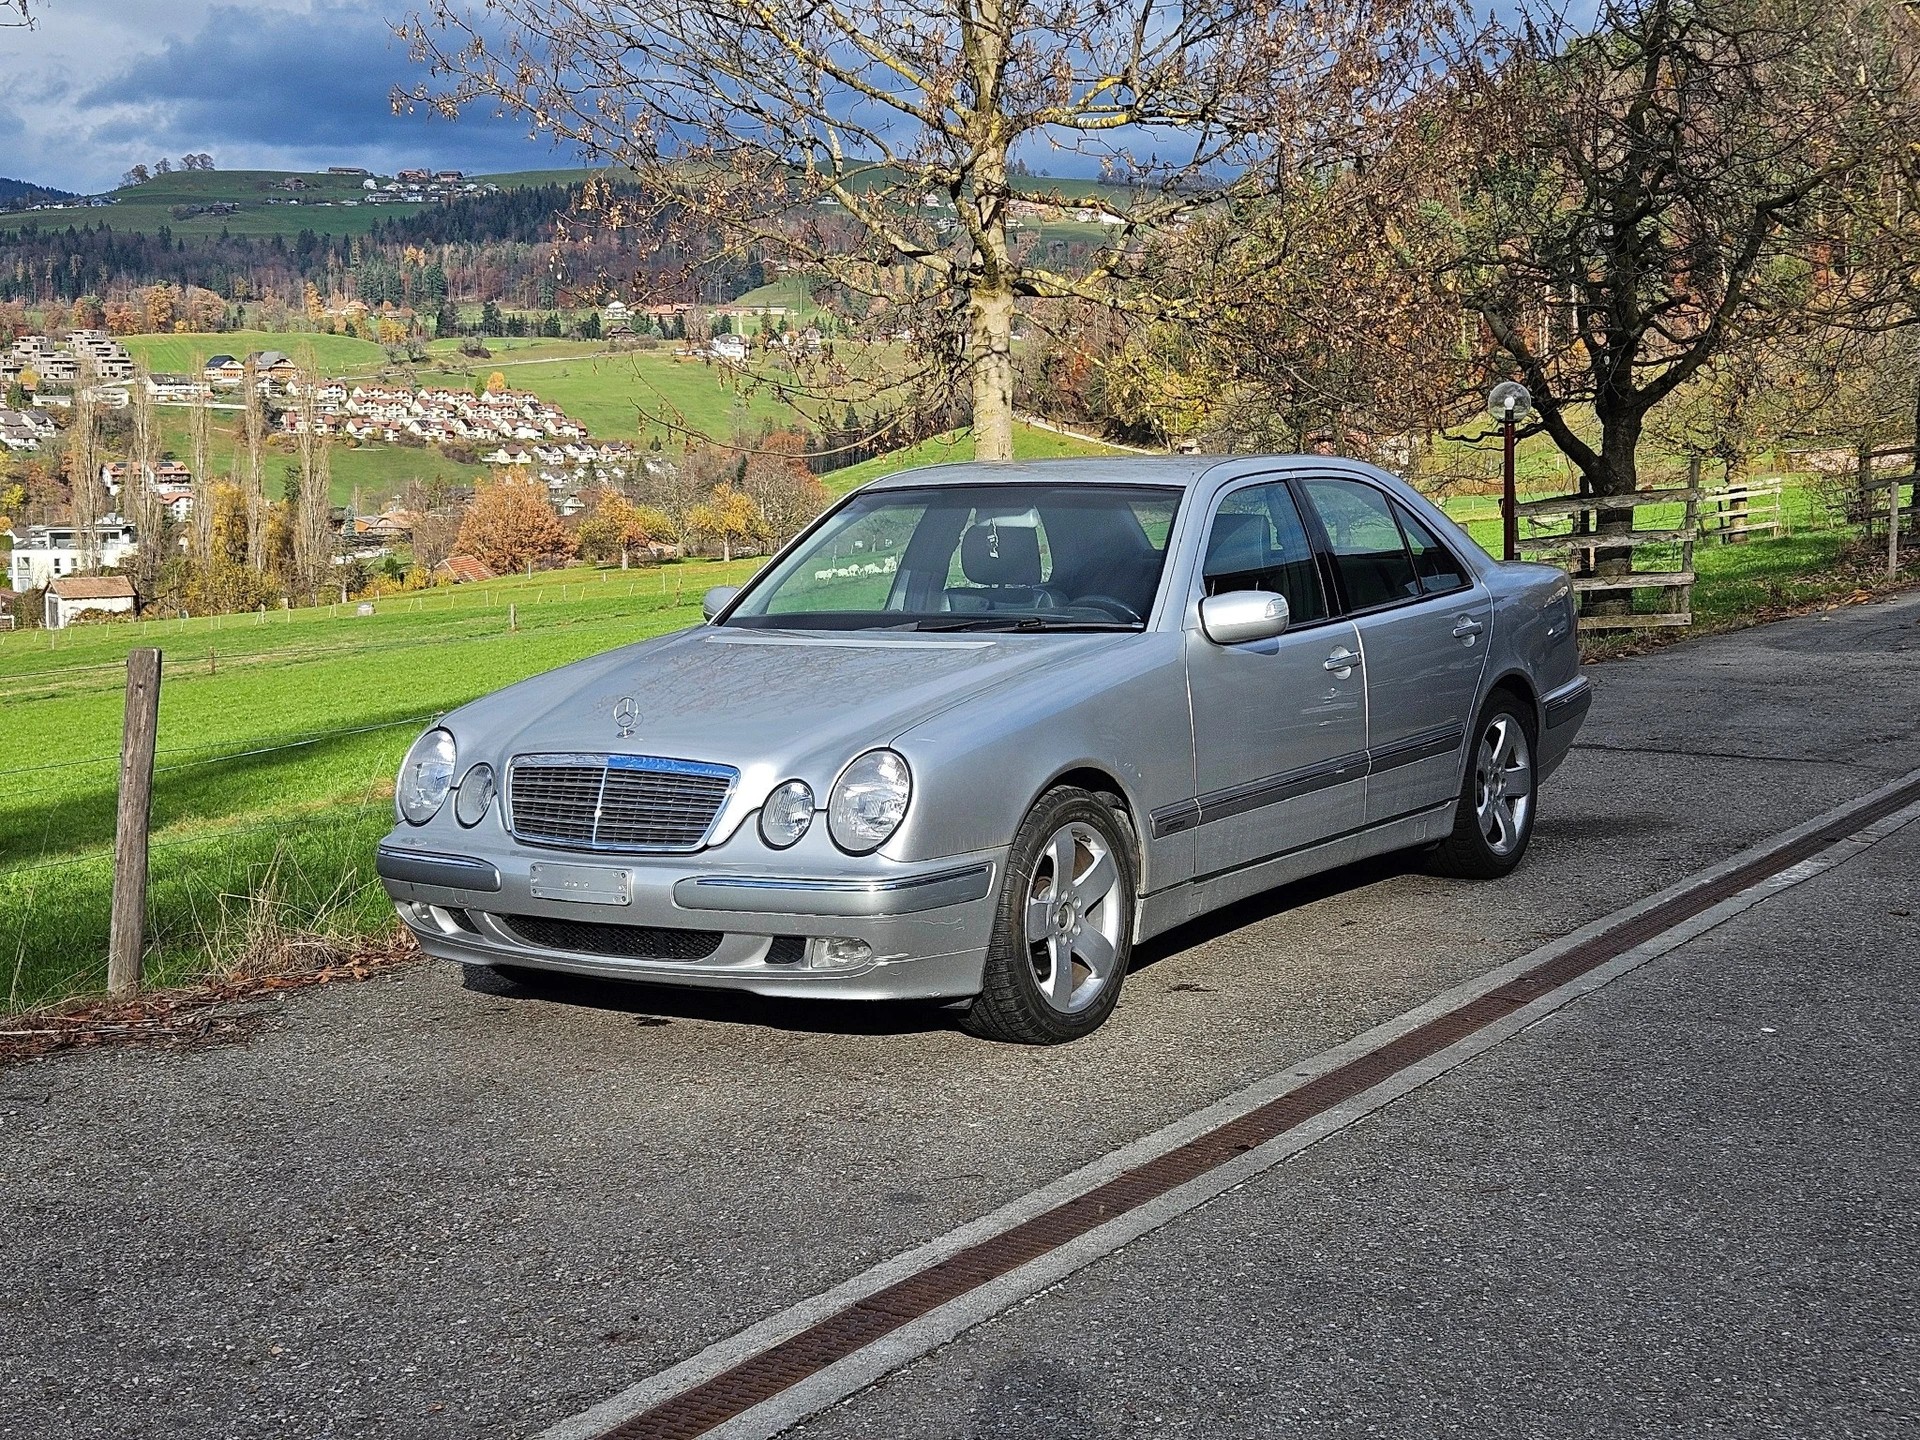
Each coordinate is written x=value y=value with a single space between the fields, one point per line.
x=83 y=463
x=253 y=484
x=312 y=507
x=9 y=9
x=140 y=491
x=877 y=145
x=1638 y=198
x=201 y=544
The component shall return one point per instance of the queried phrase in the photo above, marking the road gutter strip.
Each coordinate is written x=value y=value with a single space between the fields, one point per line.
x=627 y=1414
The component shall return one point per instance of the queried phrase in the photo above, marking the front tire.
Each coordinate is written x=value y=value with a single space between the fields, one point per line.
x=1494 y=823
x=1063 y=931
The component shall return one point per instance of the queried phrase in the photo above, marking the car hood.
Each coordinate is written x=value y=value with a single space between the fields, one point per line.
x=801 y=703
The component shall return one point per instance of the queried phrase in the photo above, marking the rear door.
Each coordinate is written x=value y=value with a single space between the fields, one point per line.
x=1279 y=726
x=1423 y=620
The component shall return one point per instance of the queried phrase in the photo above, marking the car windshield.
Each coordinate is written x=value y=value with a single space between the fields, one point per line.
x=974 y=557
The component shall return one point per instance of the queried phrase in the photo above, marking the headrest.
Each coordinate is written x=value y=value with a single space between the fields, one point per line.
x=1238 y=544
x=992 y=553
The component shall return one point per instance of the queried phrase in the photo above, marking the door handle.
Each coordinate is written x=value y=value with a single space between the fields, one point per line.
x=1466 y=627
x=1341 y=662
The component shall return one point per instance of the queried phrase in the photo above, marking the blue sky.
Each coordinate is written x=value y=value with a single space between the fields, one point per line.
x=269 y=84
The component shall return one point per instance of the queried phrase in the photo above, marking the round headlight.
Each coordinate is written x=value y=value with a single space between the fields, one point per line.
x=787 y=814
x=477 y=790
x=426 y=775
x=869 y=801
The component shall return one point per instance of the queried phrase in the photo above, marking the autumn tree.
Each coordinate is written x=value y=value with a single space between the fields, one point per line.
x=614 y=529
x=728 y=517
x=1643 y=196
x=512 y=526
x=140 y=499
x=882 y=145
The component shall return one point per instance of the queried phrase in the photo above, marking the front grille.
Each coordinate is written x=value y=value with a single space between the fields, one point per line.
x=630 y=942
x=616 y=802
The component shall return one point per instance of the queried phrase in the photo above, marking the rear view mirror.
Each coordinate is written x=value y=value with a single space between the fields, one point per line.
x=1243 y=615
x=717 y=599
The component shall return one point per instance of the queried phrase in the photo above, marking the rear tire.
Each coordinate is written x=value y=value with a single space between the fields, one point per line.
x=1063 y=930
x=1494 y=822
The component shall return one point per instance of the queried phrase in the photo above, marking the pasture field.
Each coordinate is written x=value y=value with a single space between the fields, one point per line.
x=278 y=743
x=338 y=355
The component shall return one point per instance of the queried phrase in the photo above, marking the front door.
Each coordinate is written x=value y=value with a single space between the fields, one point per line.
x=1424 y=622
x=1279 y=726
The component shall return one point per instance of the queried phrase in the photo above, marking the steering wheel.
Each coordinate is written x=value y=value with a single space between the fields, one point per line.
x=1118 y=609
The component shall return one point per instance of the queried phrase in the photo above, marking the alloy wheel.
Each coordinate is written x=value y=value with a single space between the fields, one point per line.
x=1503 y=784
x=1074 y=917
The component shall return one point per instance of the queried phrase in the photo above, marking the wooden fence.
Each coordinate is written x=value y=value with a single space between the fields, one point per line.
x=1735 y=513
x=1575 y=548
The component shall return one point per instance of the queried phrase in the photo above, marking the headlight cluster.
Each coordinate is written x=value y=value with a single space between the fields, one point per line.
x=426 y=775
x=426 y=779
x=866 y=805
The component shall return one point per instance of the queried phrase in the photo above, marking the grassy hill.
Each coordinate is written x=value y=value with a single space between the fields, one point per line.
x=182 y=354
x=264 y=207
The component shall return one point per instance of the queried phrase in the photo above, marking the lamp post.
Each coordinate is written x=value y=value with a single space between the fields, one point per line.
x=1509 y=402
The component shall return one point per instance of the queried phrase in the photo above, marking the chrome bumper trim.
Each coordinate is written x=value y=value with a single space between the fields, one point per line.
x=420 y=867
x=796 y=895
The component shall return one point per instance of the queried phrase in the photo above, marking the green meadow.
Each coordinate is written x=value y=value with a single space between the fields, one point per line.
x=279 y=738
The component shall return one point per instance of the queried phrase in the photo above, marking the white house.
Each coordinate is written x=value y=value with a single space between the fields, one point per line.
x=730 y=348
x=48 y=552
x=77 y=595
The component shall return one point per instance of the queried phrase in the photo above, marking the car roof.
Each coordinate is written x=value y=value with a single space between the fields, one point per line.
x=1181 y=471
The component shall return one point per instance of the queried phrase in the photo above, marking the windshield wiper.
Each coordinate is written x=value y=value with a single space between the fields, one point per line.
x=1025 y=622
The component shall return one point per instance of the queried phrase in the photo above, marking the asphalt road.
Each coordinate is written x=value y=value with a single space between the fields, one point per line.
x=1685 y=1205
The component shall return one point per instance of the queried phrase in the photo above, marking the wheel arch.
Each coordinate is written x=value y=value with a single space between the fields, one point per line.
x=1101 y=781
x=1519 y=684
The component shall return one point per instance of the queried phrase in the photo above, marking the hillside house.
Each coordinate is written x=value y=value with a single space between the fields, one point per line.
x=410 y=177
x=177 y=389
x=79 y=595
x=731 y=349
x=25 y=429
x=46 y=553
x=359 y=170
x=224 y=370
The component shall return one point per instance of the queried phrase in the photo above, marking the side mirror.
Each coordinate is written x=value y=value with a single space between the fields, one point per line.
x=1243 y=615
x=717 y=599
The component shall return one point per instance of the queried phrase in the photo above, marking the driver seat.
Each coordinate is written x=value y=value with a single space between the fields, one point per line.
x=1002 y=566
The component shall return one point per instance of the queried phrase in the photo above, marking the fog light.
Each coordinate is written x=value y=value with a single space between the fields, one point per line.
x=835 y=953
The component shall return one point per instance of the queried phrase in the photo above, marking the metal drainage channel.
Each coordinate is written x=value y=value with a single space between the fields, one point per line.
x=700 y=1409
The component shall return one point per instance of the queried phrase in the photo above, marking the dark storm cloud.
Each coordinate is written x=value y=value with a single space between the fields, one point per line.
x=265 y=87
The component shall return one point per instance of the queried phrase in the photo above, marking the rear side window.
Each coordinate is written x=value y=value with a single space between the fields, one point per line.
x=1259 y=543
x=1365 y=542
x=1436 y=566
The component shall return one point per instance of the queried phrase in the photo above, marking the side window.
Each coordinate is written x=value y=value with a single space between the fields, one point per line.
x=1259 y=543
x=1374 y=566
x=1436 y=566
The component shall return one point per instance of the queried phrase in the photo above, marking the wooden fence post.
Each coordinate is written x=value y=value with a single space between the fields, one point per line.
x=127 y=937
x=1893 y=529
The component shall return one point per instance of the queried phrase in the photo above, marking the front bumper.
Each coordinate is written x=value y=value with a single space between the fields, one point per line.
x=685 y=922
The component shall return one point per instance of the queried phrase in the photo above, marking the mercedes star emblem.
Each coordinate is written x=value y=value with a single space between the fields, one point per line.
x=626 y=715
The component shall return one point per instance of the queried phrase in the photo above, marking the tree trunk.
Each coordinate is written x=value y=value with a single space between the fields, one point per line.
x=990 y=355
x=1618 y=474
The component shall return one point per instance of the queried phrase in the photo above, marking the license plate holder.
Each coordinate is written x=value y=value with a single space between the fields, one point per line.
x=583 y=884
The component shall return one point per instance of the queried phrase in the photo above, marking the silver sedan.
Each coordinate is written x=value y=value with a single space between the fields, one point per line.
x=981 y=729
